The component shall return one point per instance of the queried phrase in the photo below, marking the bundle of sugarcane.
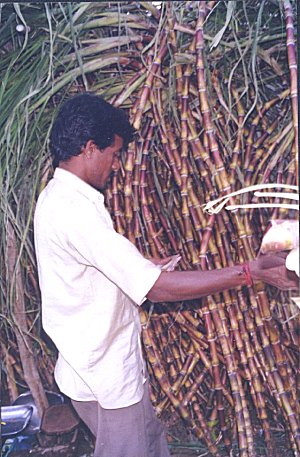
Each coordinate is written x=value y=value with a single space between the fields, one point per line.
x=227 y=360
x=215 y=108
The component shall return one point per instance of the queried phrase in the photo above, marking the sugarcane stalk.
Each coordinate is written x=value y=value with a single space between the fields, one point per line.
x=165 y=386
x=148 y=83
x=255 y=122
x=292 y=61
x=10 y=377
x=24 y=343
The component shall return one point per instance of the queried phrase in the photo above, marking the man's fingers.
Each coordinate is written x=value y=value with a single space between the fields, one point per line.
x=283 y=279
x=282 y=254
x=271 y=261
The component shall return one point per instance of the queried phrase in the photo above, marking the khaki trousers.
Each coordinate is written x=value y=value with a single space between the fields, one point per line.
x=134 y=431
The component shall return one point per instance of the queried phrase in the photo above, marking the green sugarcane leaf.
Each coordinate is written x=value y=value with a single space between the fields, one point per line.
x=219 y=35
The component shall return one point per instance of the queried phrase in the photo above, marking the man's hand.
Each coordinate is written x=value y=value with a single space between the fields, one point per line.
x=272 y=270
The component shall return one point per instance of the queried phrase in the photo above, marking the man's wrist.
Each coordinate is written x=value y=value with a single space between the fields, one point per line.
x=247 y=274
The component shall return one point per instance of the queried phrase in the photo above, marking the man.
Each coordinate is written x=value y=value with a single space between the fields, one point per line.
x=93 y=280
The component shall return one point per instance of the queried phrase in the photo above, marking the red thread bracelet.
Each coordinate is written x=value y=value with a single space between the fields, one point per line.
x=246 y=271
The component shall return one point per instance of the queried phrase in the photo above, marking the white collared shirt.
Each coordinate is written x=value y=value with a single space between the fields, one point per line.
x=92 y=281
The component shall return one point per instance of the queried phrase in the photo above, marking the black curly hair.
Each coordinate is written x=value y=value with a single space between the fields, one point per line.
x=87 y=117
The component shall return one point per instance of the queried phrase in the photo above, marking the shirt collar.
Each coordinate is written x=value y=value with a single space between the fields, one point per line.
x=77 y=184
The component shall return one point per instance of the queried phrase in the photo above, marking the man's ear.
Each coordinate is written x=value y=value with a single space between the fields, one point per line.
x=89 y=149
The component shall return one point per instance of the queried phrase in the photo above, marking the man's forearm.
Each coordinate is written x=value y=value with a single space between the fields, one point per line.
x=188 y=285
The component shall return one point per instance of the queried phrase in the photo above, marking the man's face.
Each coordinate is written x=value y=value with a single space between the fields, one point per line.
x=103 y=162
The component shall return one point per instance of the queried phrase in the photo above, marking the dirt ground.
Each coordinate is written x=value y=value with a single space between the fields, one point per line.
x=180 y=442
x=82 y=448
